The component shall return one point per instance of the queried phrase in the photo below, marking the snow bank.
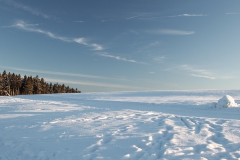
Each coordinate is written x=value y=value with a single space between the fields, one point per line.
x=225 y=102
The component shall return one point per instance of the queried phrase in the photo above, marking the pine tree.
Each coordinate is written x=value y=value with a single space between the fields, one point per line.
x=46 y=90
x=29 y=85
x=12 y=84
x=1 y=78
x=5 y=83
x=50 y=89
x=43 y=86
x=19 y=83
x=37 y=87
x=63 y=89
x=23 y=89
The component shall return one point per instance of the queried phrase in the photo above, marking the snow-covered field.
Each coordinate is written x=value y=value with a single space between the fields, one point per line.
x=124 y=125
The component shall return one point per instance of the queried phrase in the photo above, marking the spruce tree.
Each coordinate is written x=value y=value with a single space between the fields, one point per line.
x=29 y=85
x=12 y=84
x=1 y=78
x=50 y=89
x=19 y=83
x=43 y=86
x=37 y=88
x=5 y=83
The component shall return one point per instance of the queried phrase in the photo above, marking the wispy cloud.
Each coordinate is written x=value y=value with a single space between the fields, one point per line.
x=15 y=25
x=26 y=8
x=159 y=59
x=203 y=73
x=90 y=83
x=139 y=15
x=232 y=13
x=59 y=73
x=156 y=43
x=203 y=76
x=197 y=72
x=189 y=68
x=78 y=21
x=118 y=58
x=136 y=16
x=157 y=16
x=149 y=16
x=170 y=32
x=96 y=47
x=189 y=15
x=31 y=28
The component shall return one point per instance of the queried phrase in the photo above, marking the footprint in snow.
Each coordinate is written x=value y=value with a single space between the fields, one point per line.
x=106 y=138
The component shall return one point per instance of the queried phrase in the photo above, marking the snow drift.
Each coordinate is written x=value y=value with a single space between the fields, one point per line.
x=225 y=102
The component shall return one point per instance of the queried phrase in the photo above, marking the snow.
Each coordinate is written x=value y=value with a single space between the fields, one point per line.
x=226 y=101
x=121 y=125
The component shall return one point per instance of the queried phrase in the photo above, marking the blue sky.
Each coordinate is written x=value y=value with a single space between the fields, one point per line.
x=123 y=45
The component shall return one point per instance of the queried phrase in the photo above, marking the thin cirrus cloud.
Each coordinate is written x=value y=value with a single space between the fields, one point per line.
x=31 y=28
x=90 y=83
x=203 y=76
x=170 y=32
x=139 y=15
x=157 y=16
x=197 y=72
x=201 y=73
x=60 y=73
x=118 y=58
x=232 y=13
x=26 y=8
x=159 y=59
x=78 y=21
x=189 y=15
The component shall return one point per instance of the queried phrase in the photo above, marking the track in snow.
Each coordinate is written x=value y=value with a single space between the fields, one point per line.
x=81 y=127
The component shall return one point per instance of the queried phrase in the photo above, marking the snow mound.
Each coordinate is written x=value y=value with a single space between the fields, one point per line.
x=225 y=102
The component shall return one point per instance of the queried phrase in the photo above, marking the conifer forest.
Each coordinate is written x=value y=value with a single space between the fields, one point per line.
x=14 y=84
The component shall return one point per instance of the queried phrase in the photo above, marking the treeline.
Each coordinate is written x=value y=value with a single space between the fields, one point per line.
x=13 y=84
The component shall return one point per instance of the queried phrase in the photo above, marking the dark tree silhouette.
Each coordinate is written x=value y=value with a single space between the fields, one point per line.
x=13 y=84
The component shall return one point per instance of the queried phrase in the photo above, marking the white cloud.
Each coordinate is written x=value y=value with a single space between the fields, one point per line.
x=203 y=76
x=20 y=25
x=191 y=69
x=116 y=57
x=119 y=58
x=171 y=32
x=26 y=8
x=189 y=15
x=97 y=47
x=202 y=73
x=59 y=73
x=30 y=28
x=140 y=15
x=159 y=59
x=197 y=72
x=156 y=43
x=78 y=21
x=106 y=20
x=80 y=41
x=232 y=13
x=89 y=83
x=157 y=16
